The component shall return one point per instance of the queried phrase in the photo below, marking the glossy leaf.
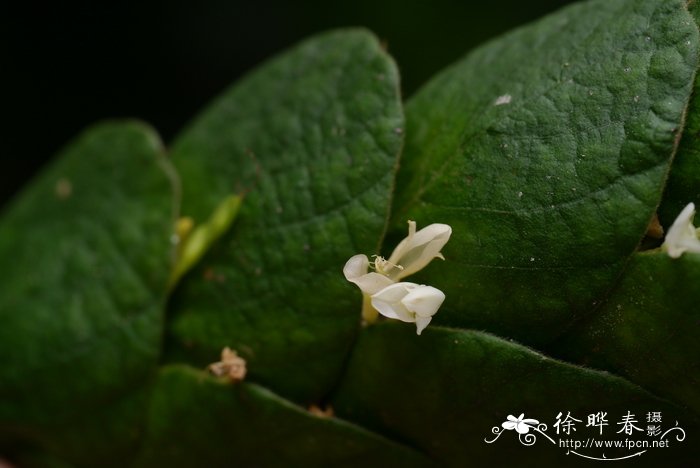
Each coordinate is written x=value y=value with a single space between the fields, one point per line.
x=312 y=138
x=547 y=150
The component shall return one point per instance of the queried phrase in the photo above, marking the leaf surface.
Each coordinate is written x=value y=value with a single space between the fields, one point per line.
x=444 y=392
x=85 y=251
x=198 y=420
x=547 y=151
x=312 y=137
x=648 y=329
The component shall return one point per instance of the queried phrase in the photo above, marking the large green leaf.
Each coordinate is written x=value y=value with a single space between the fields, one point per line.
x=648 y=329
x=443 y=392
x=198 y=420
x=547 y=151
x=85 y=253
x=313 y=137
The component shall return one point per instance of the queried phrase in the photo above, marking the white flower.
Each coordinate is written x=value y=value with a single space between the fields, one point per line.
x=415 y=251
x=409 y=302
x=381 y=290
x=682 y=236
x=522 y=426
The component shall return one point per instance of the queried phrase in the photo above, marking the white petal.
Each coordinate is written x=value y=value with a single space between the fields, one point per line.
x=372 y=283
x=421 y=323
x=388 y=302
x=357 y=266
x=682 y=237
x=419 y=248
x=424 y=301
x=355 y=271
x=433 y=232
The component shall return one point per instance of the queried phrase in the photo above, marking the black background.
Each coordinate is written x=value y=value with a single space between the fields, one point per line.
x=69 y=64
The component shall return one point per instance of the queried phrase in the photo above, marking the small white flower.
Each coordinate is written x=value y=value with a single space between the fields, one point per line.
x=383 y=293
x=682 y=236
x=417 y=250
x=409 y=302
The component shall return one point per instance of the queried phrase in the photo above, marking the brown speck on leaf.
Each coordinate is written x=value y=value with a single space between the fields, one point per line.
x=320 y=412
x=63 y=188
x=655 y=230
x=210 y=275
x=231 y=366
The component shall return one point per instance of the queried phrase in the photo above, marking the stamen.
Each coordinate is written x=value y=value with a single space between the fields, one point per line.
x=380 y=264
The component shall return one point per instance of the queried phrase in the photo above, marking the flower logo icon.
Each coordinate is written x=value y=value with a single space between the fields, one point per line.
x=521 y=425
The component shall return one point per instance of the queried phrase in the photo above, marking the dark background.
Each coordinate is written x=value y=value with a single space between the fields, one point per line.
x=69 y=64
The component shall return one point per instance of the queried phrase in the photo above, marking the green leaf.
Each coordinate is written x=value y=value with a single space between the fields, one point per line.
x=313 y=137
x=109 y=436
x=648 y=329
x=547 y=151
x=198 y=420
x=683 y=184
x=444 y=392
x=85 y=253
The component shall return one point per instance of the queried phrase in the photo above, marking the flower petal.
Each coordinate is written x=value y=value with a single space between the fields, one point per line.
x=372 y=283
x=424 y=301
x=388 y=302
x=682 y=237
x=418 y=249
x=355 y=271
x=421 y=323
x=357 y=266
